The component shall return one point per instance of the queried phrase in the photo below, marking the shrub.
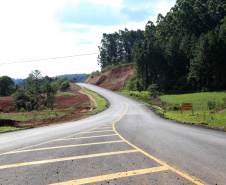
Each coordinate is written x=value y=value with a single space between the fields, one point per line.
x=134 y=85
x=19 y=99
x=211 y=105
x=9 y=109
x=22 y=109
x=154 y=90
x=1 y=109
x=64 y=85
x=224 y=101
x=174 y=107
x=29 y=106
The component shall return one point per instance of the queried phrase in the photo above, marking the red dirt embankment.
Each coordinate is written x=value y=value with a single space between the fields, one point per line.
x=80 y=102
x=6 y=103
x=113 y=79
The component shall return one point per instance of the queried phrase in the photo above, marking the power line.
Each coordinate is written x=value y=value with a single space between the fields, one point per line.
x=53 y=58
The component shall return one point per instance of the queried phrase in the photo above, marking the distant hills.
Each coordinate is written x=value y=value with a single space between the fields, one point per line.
x=79 y=77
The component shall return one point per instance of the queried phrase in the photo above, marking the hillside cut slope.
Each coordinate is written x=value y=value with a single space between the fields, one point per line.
x=113 y=79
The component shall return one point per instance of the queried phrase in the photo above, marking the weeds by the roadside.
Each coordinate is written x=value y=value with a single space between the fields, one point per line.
x=203 y=105
x=101 y=102
x=28 y=116
x=8 y=128
x=143 y=96
x=65 y=94
x=200 y=118
x=199 y=100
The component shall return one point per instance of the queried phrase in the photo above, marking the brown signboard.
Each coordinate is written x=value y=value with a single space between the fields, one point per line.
x=186 y=106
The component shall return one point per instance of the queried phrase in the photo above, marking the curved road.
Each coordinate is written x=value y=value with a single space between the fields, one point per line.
x=125 y=144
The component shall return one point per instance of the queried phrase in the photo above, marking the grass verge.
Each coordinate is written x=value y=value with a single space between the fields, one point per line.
x=101 y=102
x=28 y=116
x=65 y=94
x=23 y=117
x=204 y=114
x=8 y=128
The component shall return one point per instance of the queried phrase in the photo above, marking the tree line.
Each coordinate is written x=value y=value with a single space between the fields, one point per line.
x=27 y=97
x=118 y=47
x=183 y=52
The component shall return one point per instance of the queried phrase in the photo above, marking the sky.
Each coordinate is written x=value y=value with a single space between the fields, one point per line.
x=32 y=30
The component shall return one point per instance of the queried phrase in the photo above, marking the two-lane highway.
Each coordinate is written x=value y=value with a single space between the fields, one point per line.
x=125 y=144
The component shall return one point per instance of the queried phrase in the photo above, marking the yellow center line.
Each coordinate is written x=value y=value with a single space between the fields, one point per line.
x=88 y=137
x=190 y=178
x=113 y=176
x=66 y=159
x=66 y=146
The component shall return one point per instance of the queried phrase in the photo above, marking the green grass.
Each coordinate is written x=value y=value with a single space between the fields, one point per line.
x=27 y=124
x=101 y=102
x=101 y=105
x=143 y=96
x=26 y=116
x=199 y=118
x=7 y=128
x=198 y=100
x=70 y=108
x=201 y=115
x=65 y=94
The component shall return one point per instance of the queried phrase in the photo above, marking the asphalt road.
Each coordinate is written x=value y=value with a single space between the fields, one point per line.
x=125 y=144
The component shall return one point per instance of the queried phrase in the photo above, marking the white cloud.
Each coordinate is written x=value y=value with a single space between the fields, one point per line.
x=29 y=30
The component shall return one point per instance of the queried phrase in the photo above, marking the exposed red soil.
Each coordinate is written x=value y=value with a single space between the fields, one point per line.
x=6 y=102
x=113 y=79
x=80 y=102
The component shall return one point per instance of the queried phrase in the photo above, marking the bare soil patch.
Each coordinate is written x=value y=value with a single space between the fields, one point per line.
x=113 y=79
x=78 y=104
x=6 y=102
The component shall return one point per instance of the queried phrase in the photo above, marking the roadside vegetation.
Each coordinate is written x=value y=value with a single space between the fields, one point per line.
x=182 y=54
x=28 y=116
x=43 y=101
x=101 y=102
x=208 y=107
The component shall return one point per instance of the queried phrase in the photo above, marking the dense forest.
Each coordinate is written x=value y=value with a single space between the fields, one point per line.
x=183 y=52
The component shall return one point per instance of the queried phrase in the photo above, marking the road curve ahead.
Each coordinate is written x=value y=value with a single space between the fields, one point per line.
x=125 y=144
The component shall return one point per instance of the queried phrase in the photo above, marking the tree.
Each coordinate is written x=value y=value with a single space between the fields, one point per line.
x=33 y=86
x=50 y=95
x=6 y=86
x=20 y=98
x=118 y=47
x=184 y=51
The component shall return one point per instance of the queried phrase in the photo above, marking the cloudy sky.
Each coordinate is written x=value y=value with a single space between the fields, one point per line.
x=45 y=29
